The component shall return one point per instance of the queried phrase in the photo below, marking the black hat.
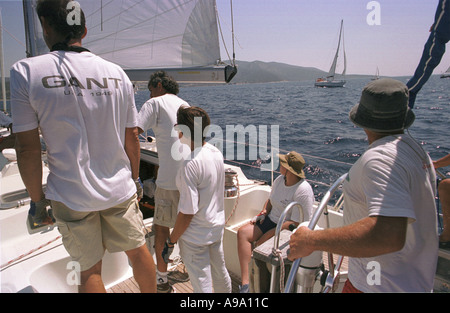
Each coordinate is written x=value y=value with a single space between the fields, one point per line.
x=383 y=107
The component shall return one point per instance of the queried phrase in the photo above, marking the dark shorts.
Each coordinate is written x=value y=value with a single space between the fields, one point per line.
x=266 y=225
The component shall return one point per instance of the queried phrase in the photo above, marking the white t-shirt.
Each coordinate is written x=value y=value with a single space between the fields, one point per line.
x=201 y=182
x=160 y=114
x=395 y=178
x=281 y=196
x=82 y=105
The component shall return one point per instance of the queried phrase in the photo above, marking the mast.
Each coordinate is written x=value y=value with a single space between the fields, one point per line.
x=2 y=64
x=343 y=48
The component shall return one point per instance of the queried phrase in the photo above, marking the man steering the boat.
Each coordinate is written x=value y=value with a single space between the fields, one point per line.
x=84 y=107
x=390 y=227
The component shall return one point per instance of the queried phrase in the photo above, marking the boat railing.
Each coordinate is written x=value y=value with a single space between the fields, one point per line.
x=321 y=209
x=14 y=199
x=276 y=240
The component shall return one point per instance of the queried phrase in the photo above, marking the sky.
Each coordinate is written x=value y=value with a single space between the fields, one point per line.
x=303 y=33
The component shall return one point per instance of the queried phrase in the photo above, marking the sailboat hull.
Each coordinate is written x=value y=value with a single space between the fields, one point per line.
x=330 y=84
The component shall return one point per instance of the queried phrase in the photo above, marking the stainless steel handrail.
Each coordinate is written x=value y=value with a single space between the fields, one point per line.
x=312 y=224
x=276 y=239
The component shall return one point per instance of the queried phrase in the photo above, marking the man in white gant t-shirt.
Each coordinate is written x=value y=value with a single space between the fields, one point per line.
x=84 y=107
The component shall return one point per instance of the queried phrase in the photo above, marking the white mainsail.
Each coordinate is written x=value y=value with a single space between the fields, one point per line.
x=179 y=36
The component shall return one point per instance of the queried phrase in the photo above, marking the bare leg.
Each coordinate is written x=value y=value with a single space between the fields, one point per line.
x=91 y=280
x=245 y=236
x=143 y=269
x=161 y=235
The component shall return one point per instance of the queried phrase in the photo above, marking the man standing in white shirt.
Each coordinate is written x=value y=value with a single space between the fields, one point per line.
x=84 y=107
x=201 y=214
x=160 y=114
x=390 y=232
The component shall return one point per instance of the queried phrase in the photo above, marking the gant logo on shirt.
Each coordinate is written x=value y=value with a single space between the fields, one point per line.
x=57 y=81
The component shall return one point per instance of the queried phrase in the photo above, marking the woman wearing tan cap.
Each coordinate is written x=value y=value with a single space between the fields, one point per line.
x=290 y=186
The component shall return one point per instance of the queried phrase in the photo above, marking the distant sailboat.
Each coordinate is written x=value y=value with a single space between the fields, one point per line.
x=377 y=74
x=180 y=37
x=329 y=81
x=446 y=74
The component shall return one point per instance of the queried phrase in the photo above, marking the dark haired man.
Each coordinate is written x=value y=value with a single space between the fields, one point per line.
x=84 y=107
x=200 y=221
x=160 y=114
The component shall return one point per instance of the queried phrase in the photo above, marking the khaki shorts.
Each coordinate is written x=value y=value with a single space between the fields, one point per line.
x=166 y=207
x=86 y=235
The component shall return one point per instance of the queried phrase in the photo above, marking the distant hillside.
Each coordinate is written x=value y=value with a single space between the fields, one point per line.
x=264 y=72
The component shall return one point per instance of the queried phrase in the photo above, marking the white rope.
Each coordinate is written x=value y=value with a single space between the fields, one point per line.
x=237 y=200
x=277 y=252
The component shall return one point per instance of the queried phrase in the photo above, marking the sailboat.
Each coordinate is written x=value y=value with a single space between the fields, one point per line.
x=180 y=37
x=33 y=258
x=446 y=74
x=377 y=74
x=330 y=80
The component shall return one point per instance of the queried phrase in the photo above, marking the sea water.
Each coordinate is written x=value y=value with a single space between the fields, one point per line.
x=314 y=122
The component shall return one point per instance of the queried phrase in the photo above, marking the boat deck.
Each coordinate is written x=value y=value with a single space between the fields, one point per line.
x=179 y=280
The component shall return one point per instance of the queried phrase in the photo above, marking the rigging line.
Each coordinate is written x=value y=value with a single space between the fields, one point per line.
x=232 y=32
x=101 y=15
x=287 y=151
x=120 y=13
x=221 y=34
x=98 y=10
x=277 y=172
x=9 y=33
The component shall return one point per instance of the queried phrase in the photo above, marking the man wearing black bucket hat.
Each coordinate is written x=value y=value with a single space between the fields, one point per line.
x=390 y=225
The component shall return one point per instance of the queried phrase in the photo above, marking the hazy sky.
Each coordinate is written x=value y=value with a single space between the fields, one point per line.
x=303 y=32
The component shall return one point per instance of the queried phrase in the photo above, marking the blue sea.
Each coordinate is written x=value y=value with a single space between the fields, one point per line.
x=312 y=121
